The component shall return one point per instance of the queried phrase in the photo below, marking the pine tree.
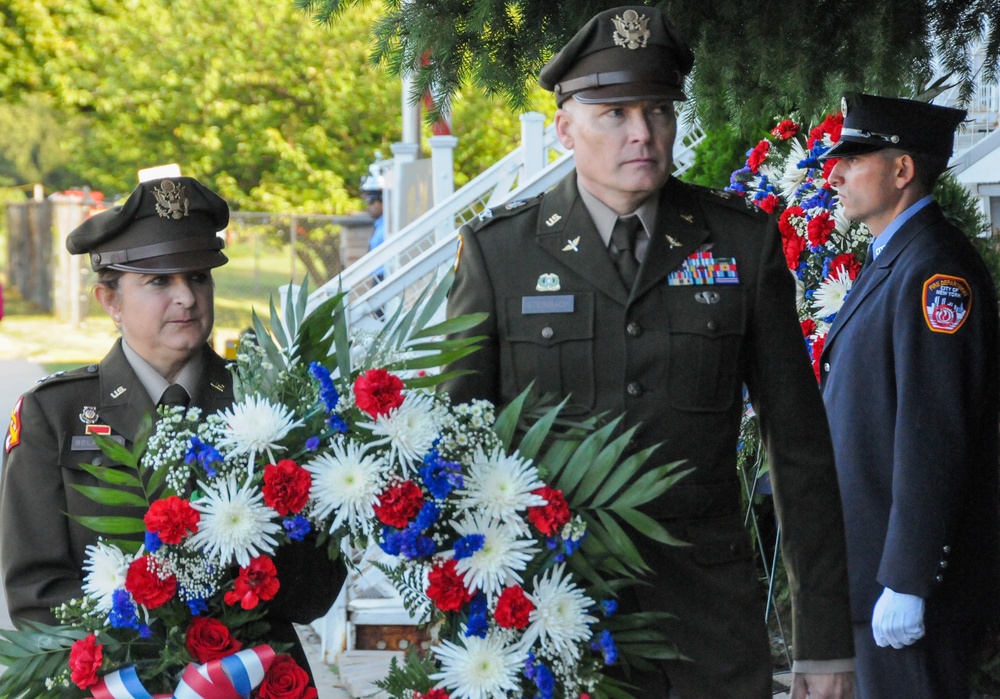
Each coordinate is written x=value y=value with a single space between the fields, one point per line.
x=752 y=58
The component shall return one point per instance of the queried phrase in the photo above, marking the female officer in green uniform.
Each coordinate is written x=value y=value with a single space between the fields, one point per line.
x=154 y=257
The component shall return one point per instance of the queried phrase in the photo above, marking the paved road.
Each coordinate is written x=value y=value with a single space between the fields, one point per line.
x=16 y=376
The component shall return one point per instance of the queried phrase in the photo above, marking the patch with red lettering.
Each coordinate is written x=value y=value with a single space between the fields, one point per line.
x=947 y=302
x=14 y=430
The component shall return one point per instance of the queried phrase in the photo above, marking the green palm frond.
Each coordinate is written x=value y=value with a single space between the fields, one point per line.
x=585 y=463
x=32 y=654
x=125 y=486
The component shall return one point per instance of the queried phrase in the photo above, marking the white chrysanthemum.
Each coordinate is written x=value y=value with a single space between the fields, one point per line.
x=505 y=551
x=500 y=485
x=235 y=523
x=106 y=568
x=560 y=617
x=256 y=426
x=347 y=481
x=410 y=429
x=486 y=668
x=800 y=291
x=829 y=298
x=793 y=176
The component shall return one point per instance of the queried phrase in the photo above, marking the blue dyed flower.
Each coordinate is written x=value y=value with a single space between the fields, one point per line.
x=440 y=477
x=609 y=607
x=606 y=645
x=123 y=611
x=477 y=623
x=468 y=545
x=204 y=455
x=392 y=542
x=415 y=545
x=327 y=391
x=427 y=516
x=197 y=606
x=296 y=527
x=336 y=424
x=152 y=542
x=312 y=444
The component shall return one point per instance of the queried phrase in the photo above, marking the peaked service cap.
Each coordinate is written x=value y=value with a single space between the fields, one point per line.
x=166 y=226
x=624 y=54
x=873 y=123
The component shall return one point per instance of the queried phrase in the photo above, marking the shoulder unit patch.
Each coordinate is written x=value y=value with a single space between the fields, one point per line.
x=14 y=429
x=947 y=301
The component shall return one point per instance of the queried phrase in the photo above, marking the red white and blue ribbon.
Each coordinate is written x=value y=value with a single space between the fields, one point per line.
x=232 y=677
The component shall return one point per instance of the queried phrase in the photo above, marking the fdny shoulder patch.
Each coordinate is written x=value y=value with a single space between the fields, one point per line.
x=14 y=430
x=947 y=301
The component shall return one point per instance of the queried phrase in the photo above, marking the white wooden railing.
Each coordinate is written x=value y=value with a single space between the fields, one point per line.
x=417 y=255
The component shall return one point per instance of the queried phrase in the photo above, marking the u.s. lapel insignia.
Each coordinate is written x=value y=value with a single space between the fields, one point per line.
x=553 y=220
x=674 y=243
x=572 y=245
x=688 y=217
x=548 y=282
x=118 y=391
x=88 y=415
x=217 y=386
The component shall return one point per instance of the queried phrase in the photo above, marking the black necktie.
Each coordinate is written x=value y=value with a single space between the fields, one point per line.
x=175 y=395
x=624 y=236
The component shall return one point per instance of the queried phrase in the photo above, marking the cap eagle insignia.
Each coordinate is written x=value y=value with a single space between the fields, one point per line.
x=631 y=30
x=171 y=201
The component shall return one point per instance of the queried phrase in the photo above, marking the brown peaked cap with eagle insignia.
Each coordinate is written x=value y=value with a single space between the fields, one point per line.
x=166 y=226
x=624 y=54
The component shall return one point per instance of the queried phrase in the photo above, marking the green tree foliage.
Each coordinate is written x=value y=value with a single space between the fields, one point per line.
x=752 y=58
x=275 y=111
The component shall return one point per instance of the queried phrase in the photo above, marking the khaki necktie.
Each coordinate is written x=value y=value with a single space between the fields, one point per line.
x=624 y=236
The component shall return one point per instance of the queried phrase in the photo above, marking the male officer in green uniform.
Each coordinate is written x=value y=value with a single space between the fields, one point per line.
x=633 y=292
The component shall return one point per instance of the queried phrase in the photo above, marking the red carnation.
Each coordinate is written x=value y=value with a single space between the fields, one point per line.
x=817 y=352
x=286 y=680
x=785 y=225
x=286 y=487
x=258 y=582
x=808 y=326
x=208 y=639
x=785 y=130
x=172 y=519
x=848 y=261
x=376 y=391
x=758 y=155
x=768 y=203
x=827 y=169
x=513 y=608
x=85 y=658
x=549 y=518
x=832 y=125
x=793 y=251
x=447 y=589
x=146 y=585
x=399 y=504
x=819 y=228
x=436 y=693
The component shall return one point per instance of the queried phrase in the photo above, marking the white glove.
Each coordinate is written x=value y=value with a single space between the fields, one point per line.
x=898 y=619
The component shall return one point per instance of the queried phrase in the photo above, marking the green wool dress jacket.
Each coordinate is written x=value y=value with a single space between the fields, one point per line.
x=42 y=551
x=674 y=356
